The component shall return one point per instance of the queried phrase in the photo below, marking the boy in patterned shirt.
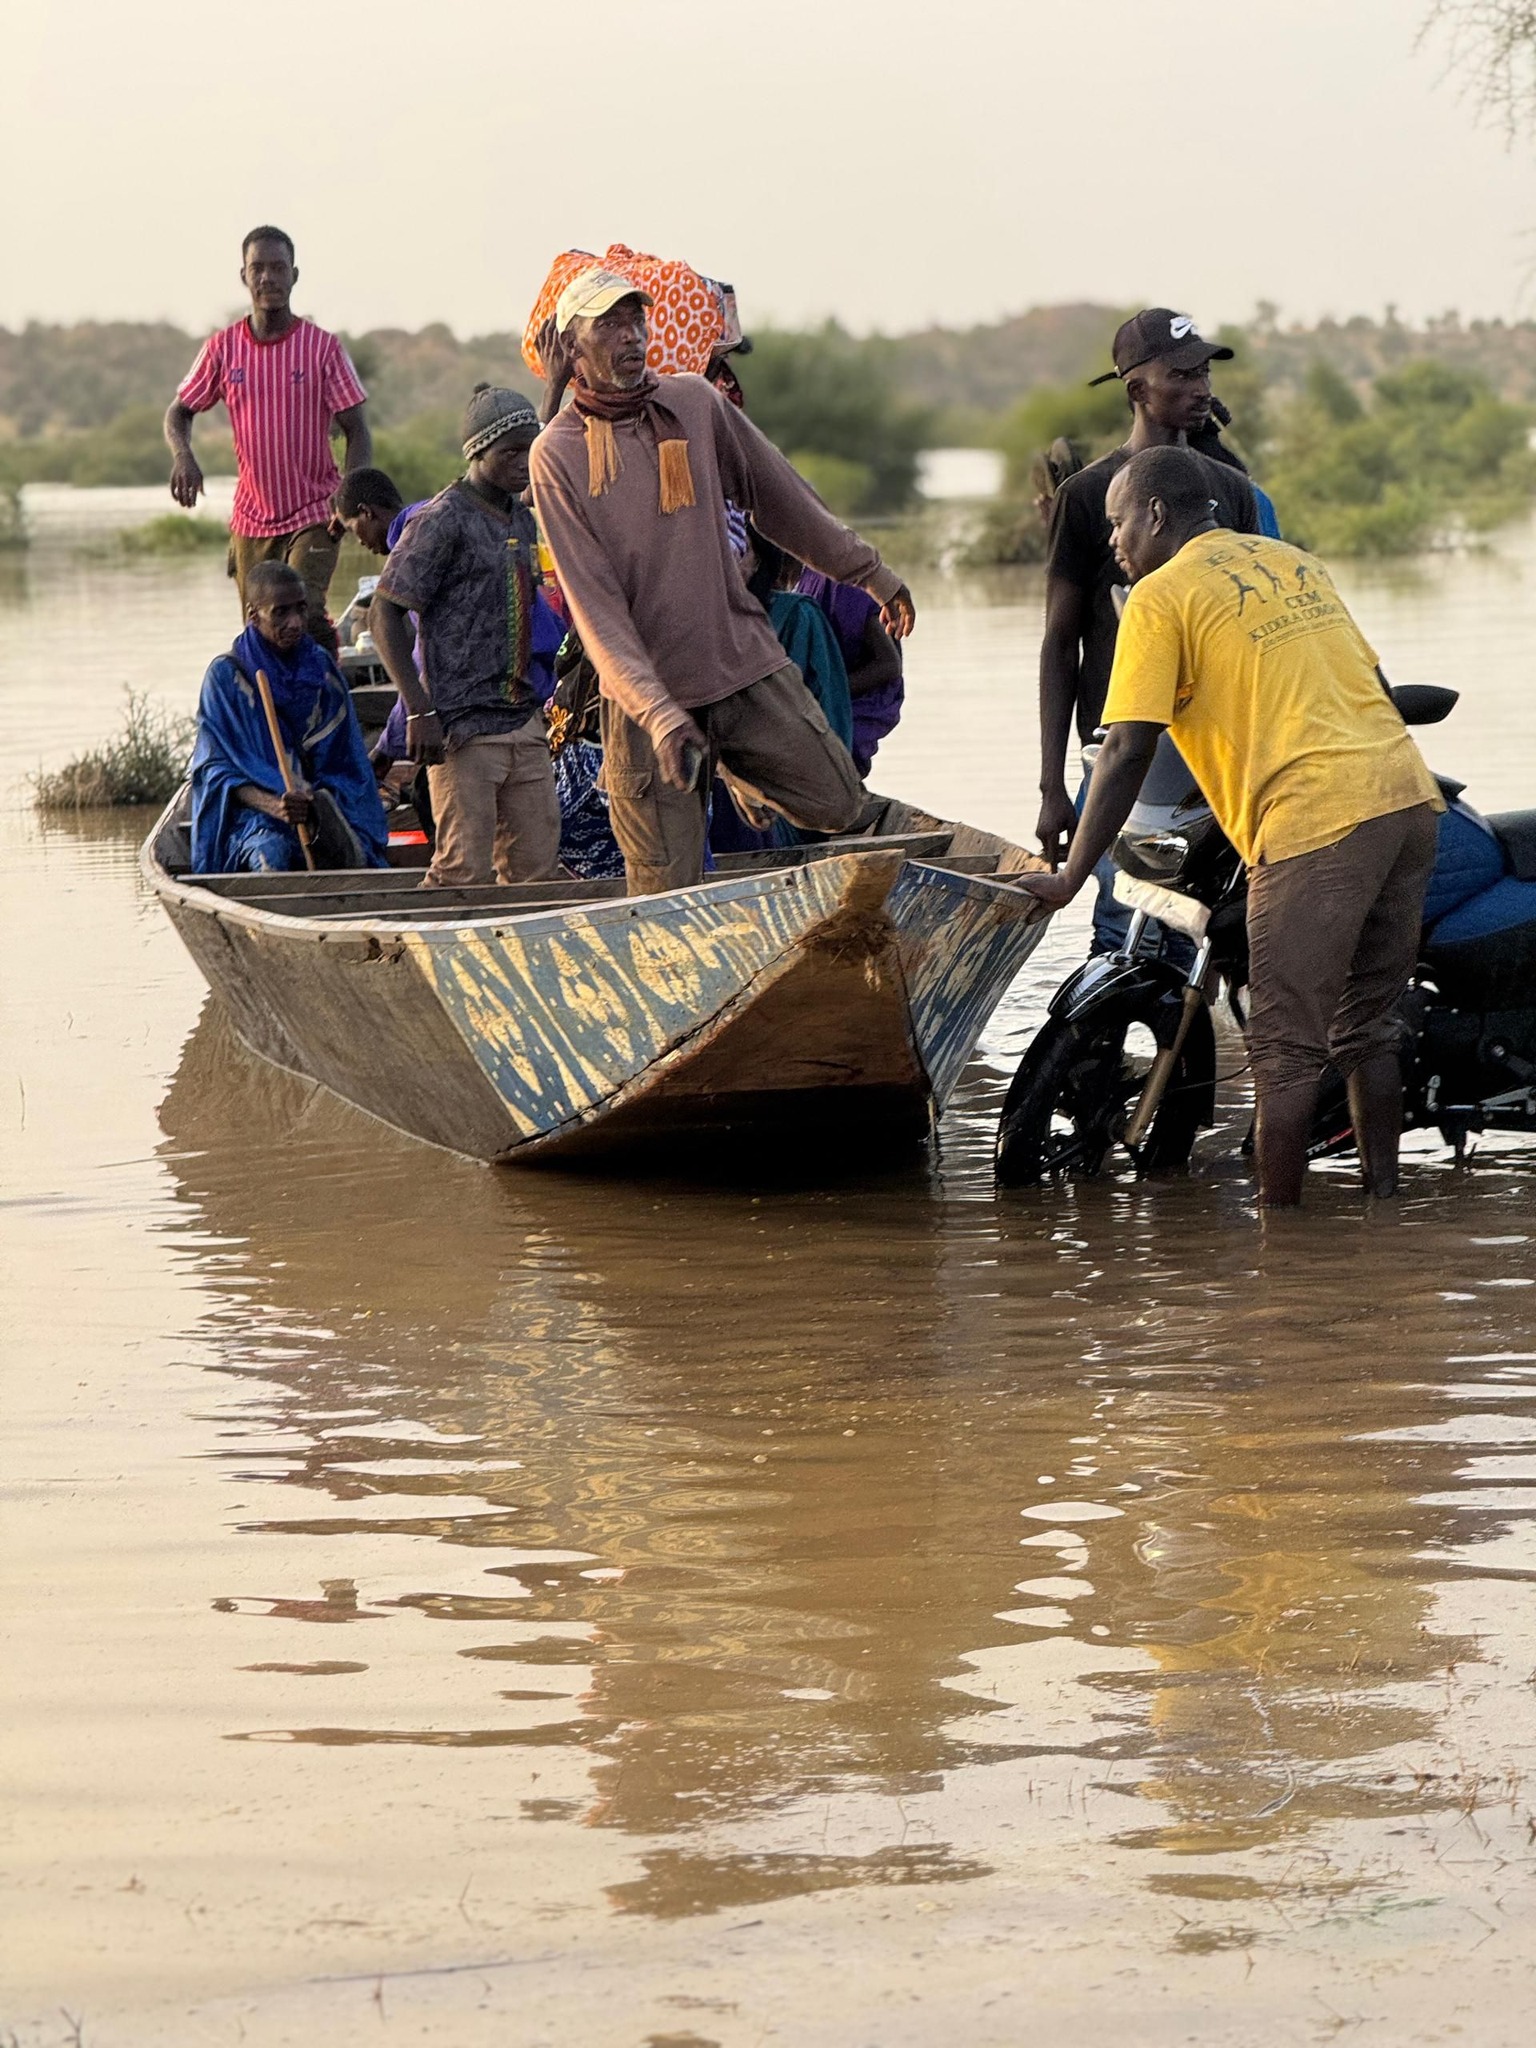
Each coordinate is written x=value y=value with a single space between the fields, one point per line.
x=467 y=567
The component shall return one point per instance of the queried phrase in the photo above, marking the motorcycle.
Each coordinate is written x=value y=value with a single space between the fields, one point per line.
x=1126 y=1060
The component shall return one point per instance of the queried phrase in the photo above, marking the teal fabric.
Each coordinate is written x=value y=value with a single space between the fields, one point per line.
x=810 y=643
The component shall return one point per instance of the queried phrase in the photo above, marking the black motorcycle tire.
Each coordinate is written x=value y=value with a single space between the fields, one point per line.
x=1076 y=1066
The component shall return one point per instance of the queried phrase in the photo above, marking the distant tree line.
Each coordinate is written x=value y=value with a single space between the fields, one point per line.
x=1416 y=456
x=1436 y=441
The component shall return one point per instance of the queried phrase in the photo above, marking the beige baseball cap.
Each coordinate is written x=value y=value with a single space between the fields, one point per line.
x=593 y=292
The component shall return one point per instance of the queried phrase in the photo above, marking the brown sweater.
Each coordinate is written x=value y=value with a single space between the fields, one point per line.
x=659 y=599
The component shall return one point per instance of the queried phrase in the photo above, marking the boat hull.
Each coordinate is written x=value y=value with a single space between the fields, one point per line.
x=842 y=996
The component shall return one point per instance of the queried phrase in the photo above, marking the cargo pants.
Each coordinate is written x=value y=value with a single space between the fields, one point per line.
x=772 y=738
x=310 y=551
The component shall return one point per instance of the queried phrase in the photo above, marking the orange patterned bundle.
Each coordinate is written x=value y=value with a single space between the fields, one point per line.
x=690 y=318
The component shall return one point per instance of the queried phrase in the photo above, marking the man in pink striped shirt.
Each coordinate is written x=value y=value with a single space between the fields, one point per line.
x=283 y=381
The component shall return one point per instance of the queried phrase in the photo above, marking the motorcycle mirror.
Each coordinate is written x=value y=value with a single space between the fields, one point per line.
x=1423 y=703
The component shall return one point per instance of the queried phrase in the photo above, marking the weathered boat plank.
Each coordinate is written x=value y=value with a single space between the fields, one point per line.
x=563 y=1019
x=363 y=1022
x=824 y=1020
x=962 y=942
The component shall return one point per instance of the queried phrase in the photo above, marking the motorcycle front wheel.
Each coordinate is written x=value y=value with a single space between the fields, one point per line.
x=1073 y=1094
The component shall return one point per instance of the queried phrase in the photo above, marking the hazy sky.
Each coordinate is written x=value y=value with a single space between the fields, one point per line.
x=892 y=163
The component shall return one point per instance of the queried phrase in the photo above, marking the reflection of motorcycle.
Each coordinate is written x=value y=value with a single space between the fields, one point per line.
x=1127 y=1056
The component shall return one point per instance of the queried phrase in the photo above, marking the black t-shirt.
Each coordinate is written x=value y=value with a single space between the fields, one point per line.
x=1080 y=553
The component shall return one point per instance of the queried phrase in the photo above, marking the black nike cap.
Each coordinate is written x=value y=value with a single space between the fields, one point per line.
x=1161 y=335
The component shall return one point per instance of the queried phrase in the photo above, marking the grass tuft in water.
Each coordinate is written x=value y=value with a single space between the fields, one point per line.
x=145 y=764
x=174 y=533
x=13 y=518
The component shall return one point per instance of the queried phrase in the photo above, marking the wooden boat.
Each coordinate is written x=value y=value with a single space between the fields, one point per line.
x=835 y=989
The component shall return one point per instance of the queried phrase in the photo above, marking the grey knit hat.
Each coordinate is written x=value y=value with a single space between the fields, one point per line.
x=492 y=412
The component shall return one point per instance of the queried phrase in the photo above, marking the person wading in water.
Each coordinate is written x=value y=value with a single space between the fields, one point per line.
x=1242 y=649
x=630 y=484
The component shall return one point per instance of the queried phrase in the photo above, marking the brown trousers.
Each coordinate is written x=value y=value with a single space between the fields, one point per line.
x=1333 y=937
x=496 y=810
x=773 y=739
x=311 y=551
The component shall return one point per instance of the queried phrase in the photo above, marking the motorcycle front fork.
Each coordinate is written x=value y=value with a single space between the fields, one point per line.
x=1155 y=1087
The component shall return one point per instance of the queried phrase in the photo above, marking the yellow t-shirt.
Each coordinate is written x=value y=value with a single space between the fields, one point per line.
x=1244 y=650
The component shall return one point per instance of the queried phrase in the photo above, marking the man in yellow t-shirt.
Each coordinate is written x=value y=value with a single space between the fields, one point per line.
x=1242 y=648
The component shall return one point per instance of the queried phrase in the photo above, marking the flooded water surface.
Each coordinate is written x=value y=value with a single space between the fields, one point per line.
x=469 y=1606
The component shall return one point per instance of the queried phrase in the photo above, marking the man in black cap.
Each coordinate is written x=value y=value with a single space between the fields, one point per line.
x=467 y=566
x=1164 y=363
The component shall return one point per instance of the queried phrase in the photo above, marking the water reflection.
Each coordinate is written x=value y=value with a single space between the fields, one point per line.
x=815 y=1536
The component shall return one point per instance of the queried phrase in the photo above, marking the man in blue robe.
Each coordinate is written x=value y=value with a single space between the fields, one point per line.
x=241 y=815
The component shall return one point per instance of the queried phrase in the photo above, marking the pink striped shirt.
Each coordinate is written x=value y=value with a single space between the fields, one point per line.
x=281 y=396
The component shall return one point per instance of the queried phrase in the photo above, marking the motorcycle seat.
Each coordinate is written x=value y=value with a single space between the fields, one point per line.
x=1483 y=953
x=1468 y=861
x=1516 y=833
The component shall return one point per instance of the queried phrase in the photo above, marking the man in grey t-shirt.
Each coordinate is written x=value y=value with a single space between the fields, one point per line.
x=467 y=566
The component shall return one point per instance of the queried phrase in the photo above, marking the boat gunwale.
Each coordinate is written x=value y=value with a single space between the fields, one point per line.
x=489 y=922
x=493 y=921
x=538 y=923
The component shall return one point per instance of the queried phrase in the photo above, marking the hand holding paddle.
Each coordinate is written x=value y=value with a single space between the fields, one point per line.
x=296 y=798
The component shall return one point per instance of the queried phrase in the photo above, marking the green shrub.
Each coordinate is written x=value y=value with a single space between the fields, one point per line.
x=1097 y=417
x=145 y=764
x=422 y=456
x=129 y=449
x=1398 y=522
x=13 y=518
x=173 y=534
x=844 y=487
x=826 y=394
x=1332 y=395
x=1432 y=453
x=1009 y=530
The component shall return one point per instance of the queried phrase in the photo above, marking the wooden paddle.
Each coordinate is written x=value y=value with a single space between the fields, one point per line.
x=265 y=690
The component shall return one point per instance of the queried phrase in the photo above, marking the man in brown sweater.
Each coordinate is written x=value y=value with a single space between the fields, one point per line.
x=630 y=484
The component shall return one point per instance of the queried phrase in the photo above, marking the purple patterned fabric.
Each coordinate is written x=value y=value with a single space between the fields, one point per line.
x=392 y=740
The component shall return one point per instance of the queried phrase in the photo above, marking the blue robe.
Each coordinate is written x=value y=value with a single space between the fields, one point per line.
x=324 y=743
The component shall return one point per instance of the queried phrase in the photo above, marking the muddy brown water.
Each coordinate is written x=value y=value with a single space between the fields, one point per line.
x=473 y=1607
